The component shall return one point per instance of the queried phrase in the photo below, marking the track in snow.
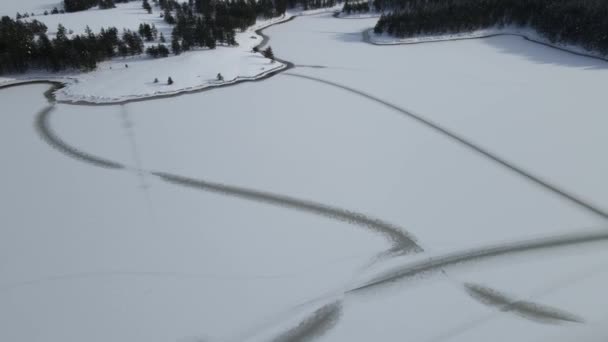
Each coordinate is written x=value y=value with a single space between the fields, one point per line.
x=526 y=309
x=46 y=133
x=436 y=263
x=401 y=241
x=584 y=204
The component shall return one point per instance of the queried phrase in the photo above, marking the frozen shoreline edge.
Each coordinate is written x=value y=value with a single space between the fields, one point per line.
x=62 y=82
x=371 y=38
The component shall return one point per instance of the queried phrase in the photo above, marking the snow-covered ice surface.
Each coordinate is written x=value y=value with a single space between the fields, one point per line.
x=97 y=254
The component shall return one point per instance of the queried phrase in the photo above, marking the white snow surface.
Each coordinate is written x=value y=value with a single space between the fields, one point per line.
x=11 y=7
x=124 y=16
x=93 y=254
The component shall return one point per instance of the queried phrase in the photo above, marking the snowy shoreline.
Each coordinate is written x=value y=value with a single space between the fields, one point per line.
x=91 y=88
x=384 y=39
x=69 y=82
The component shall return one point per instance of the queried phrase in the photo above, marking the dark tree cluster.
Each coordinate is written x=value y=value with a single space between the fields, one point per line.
x=157 y=51
x=148 y=32
x=357 y=7
x=207 y=23
x=197 y=23
x=81 y=5
x=581 y=22
x=312 y=4
x=146 y=6
x=25 y=45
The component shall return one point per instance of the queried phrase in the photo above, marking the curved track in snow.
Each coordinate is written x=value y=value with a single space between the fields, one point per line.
x=400 y=240
x=526 y=309
x=436 y=263
x=582 y=203
x=42 y=125
x=313 y=326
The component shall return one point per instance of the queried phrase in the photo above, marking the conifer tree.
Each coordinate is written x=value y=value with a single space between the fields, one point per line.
x=268 y=53
x=146 y=6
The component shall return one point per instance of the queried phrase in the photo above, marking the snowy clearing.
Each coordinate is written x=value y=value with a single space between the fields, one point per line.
x=37 y=7
x=124 y=16
x=227 y=217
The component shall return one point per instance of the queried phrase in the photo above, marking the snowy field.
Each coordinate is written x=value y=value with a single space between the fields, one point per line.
x=217 y=216
x=11 y=7
x=124 y=16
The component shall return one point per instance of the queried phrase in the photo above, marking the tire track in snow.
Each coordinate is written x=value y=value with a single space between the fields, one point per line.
x=140 y=172
x=313 y=326
x=584 y=204
x=44 y=130
x=436 y=263
x=401 y=241
x=526 y=309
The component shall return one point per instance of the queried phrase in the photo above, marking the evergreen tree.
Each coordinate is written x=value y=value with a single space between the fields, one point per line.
x=169 y=19
x=146 y=6
x=170 y=81
x=268 y=53
x=176 y=47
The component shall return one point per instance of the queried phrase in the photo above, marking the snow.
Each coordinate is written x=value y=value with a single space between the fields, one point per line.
x=37 y=7
x=98 y=254
x=124 y=16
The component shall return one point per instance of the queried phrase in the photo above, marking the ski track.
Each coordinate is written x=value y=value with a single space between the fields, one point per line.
x=401 y=242
x=313 y=326
x=436 y=263
x=399 y=239
x=526 y=309
x=42 y=126
x=463 y=141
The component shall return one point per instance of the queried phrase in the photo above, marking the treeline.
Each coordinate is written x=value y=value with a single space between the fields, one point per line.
x=207 y=23
x=581 y=22
x=81 y=5
x=355 y=7
x=25 y=45
x=197 y=23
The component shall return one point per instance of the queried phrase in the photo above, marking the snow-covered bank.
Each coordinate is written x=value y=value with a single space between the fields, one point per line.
x=133 y=78
x=121 y=80
x=527 y=33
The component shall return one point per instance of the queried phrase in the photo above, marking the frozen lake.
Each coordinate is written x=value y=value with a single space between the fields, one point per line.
x=266 y=184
